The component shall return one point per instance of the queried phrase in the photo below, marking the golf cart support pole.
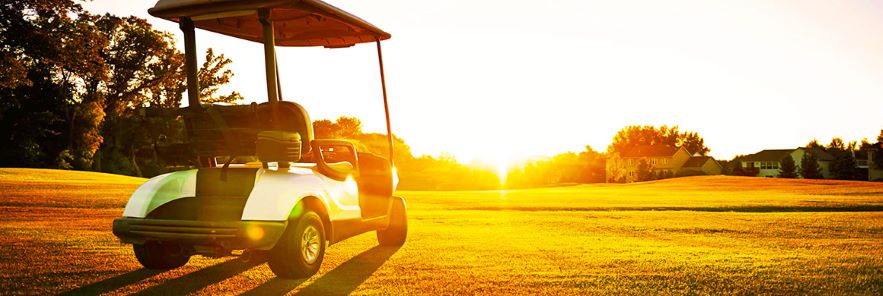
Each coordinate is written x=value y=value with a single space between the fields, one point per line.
x=269 y=55
x=278 y=80
x=190 y=62
x=385 y=104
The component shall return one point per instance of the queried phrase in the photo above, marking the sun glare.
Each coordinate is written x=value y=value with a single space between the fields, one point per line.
x=502 y=171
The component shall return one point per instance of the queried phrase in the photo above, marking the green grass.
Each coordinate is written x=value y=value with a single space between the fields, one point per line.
x=700 y=235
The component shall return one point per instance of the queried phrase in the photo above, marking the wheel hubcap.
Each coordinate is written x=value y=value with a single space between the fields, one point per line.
x=310 y=244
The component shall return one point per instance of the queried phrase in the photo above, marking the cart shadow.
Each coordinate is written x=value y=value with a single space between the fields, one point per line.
x=202 y=278
x=342 y=280
x=114 y=282
x=188 y=283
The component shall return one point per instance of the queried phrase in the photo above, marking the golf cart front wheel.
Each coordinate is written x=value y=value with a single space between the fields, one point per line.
x=397 y=232
x=153 y=255
x=300 y=250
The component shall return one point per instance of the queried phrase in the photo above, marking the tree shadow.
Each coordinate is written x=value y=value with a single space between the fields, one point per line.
x=342 y=280
x=114 y=282
x=202 y=278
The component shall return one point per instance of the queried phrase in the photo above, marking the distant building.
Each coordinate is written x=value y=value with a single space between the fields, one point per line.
x=662 y=160
x=768 y=162
x=701 y=165
x=865 y=160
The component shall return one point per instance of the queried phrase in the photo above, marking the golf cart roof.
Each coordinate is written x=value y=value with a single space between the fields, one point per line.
x=295 y=22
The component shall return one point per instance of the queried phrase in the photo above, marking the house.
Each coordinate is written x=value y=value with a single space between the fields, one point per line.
x=865 y=160
x=701 y=165
x=768 y=162
x=661 y=159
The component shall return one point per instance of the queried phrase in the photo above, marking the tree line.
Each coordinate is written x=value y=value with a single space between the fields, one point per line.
x=75 y=87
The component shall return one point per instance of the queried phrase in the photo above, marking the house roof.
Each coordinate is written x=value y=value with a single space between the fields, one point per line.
x=768 y=155
x=779 y=154
x=861 y=154
x=822 y=155
x=651 y=151
x=696 y=161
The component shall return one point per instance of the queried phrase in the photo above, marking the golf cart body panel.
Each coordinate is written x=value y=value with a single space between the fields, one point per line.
x=272 y=196
x=205 y=237
x=160 y=190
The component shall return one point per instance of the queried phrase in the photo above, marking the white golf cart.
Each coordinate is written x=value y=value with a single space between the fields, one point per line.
x=302 y=194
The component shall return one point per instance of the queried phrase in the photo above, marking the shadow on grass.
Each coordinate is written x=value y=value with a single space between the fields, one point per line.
x=342 y=280
x=114 y=282
x=743 y=209
x=202 y=278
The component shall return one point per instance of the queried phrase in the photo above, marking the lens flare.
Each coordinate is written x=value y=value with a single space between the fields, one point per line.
x=254 y=232
x=350 y=185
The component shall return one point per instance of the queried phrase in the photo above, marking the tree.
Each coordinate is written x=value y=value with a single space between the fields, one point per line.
x=693 y=143
x=788 y=169
x=844 y=165
x=835 y=145
x=350 y=127
x=344 y=127
x=212 y=75
x=75 y=83
x=54 y=57
x=877 y=151
x=142 y=63
x=325 y=129
x=593 y=166
x=814 y=144
x=644 y=172
x=809 y=166
x=634 y=135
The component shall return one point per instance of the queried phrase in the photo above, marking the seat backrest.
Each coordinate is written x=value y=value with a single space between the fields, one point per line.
x=233 y=130
x=287 y=116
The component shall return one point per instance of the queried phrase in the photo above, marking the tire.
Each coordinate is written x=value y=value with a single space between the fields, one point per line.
x=397 y=231
x=153 y=255
x=300 y=250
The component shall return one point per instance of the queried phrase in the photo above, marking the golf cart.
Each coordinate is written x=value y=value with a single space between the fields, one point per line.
x=301 y=194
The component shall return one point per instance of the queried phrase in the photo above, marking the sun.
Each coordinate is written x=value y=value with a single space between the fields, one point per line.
x=502 y=170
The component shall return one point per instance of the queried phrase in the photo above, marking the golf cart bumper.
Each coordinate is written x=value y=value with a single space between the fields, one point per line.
x=235 y=235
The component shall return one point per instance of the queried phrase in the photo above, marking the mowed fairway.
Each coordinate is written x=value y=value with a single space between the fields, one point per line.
x=699 y=235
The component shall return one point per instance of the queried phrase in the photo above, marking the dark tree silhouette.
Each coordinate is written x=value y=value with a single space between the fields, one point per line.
x=788 y=169
x=809 y=166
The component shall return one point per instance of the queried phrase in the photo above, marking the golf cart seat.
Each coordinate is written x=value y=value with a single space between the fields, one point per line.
x=267 y=129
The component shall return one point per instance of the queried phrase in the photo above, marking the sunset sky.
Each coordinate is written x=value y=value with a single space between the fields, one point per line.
x=495 y=80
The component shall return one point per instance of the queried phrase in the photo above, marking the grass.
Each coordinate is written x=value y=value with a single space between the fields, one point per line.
x=699 y=235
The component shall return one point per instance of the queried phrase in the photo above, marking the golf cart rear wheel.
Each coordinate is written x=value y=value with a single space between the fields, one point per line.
x=153 y=255
x=397 y=232
x=300 y=250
